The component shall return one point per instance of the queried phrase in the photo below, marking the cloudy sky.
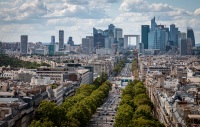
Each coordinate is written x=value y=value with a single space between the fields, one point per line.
x=39 y=19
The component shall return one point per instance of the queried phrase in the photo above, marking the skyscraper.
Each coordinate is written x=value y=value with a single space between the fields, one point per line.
x=109 y=41
x=189 y=46
x=61 y=39
x=163 y=39
x=99 y=39
x=183 y=46
x=144 y=37
x=111 y=34
x=118 y=33
x=24 y=44
x=70 y=41
x=121 y=43
x=111 y=30
x=51 y=49
x=87 y=44
x=153 y=24
x=174 y=34
x=152 y=39
x=53 y=40
x=190 y=34
x=157 y=39
x=183 y=35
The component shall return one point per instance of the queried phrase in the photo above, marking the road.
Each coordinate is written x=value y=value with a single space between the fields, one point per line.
x=104 y=117
x=126 y=71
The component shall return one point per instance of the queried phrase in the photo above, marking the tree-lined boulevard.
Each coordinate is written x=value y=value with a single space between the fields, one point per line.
x=135 y=108
x=75 y=111
x=101 y=104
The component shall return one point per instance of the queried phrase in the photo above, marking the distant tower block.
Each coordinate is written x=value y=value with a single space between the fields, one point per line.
x=24 y=44
x=126 y=40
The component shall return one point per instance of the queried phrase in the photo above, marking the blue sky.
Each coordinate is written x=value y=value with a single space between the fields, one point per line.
x=42 y=18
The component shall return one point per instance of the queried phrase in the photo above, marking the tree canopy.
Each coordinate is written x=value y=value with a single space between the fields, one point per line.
x=75 y=111
x=135 y=108
x=15 y=62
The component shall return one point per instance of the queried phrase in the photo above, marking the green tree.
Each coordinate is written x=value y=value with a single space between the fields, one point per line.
x=75 y=111
x=86 y=89
x=129 y=90
x=44 y=123
x=140 y=122
x=44 y=111
x=126 y=99
x=140 y=106
x=15 y=62
x=142 y=99
x=70 y=122
x=143 y=111
x=139 y=89
x=124 y=115
x=81 y=113
x=51 y=112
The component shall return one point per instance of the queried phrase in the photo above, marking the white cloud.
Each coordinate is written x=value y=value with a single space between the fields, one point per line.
x=133 y=5
x=77 y=17
x=160 y=7
x=62 y=22
x=111 y=1
x=197 y=11
x=144 y=6
x=78 y=11
x=195 y=24
x=77 y=2
x=31 y=11
x=26 y=11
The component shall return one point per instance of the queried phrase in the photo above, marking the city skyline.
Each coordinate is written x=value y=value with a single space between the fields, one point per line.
x=41 y=19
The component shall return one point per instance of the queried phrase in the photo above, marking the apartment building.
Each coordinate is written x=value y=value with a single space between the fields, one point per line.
x=176 y=97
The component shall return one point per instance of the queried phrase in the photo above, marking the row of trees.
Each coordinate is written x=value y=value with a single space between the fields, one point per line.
x=15 y=62
x=118 y=68
x=135 y=108
x=75 y=111
x=134 y=68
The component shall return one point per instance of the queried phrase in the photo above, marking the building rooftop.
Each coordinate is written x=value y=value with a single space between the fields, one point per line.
x=82 y=71
x=9 y=100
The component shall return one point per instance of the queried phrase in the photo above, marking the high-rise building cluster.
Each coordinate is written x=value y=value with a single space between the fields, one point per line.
x=161 y=39
x=104 y=41
x=155 y=39
x=51 y=49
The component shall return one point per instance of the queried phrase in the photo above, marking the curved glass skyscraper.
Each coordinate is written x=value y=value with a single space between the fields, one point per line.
x=190 y=34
